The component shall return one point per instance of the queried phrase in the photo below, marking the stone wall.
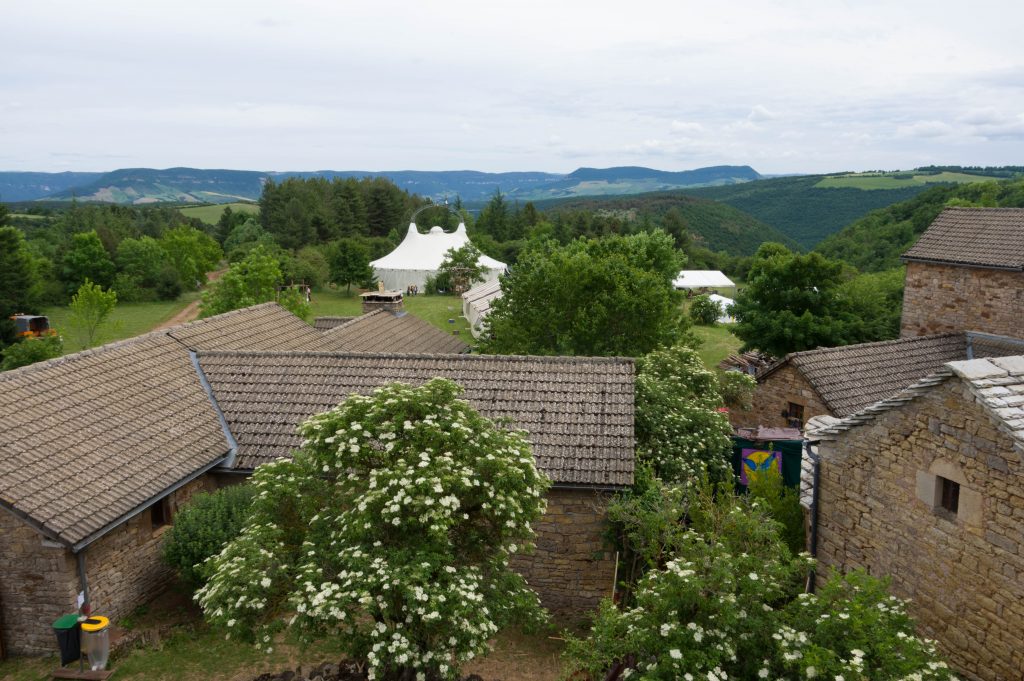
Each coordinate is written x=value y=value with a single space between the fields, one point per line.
x=964 y=572
x=38 y=584
x=124 y=566
x=772 y=397
x=573 y=567
x=942 y=298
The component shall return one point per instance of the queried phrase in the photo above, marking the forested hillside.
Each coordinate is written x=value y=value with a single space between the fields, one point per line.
x=712 y=225
x=875 y=242
x=796 y=207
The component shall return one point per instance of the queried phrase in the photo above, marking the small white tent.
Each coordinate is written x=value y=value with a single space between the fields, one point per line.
x=420 y=255
x=726 y=303
x=476 y=304
x=702 y=279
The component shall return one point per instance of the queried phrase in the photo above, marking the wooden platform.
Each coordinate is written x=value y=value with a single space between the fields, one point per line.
x=67 y=673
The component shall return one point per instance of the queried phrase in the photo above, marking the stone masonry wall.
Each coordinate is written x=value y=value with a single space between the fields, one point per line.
x=772 y=397
x=124 y=566
x=942 y=298
x=878 y=509
x=37 y=585
x=572 y=567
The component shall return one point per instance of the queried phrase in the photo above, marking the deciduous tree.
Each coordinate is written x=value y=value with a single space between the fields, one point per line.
x=86 y=260
x=251 y=281
x=90 y=307
x=608 y=296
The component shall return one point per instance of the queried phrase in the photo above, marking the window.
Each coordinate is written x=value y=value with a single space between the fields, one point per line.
x=795 y=415
x=160 y=513
x=949 y=494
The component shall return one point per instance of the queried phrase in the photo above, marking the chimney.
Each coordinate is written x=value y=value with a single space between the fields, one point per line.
x=382 y=300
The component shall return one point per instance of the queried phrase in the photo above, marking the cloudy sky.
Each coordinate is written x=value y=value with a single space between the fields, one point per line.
x=549 y=85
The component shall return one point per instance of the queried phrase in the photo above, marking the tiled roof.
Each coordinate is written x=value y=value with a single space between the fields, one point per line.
x=325 y=323
x=996 y=382
x=89 y=437
x=261 y=327
x=383 y=331
x=983 y=237
x=851 y=377
x=578 y=411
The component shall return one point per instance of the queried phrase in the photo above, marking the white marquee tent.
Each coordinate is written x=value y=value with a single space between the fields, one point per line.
x=420 y=255
x=476 y=304
x=702 y=279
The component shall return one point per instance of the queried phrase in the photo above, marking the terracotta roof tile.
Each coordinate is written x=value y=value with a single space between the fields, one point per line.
x=260 y=327
x=384 y=332
x=982 y=237
x=325 y=323
x=578 y=411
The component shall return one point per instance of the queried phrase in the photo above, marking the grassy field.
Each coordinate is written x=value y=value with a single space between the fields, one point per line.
x=895 y=180
x=200 y=655
x=435 y=309
x=128 y=319
x=210 y=214
x=718 y=343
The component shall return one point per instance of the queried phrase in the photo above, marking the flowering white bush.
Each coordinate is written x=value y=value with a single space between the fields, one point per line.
x=682 y=427
x=729 y=605
x=391 y=530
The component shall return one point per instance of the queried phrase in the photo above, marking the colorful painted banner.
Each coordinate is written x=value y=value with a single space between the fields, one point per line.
x=753 y=462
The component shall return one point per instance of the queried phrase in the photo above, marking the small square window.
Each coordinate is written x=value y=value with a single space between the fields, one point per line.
x=160 y=513
x=795 y=415
x=949 y=494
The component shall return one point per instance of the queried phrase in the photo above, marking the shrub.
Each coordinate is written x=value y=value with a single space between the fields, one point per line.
x=705 y=311
x=737 y=389
x=390 y=530
x=680 y=426
x=31 y=350
x=782 y=504
x=201 y=530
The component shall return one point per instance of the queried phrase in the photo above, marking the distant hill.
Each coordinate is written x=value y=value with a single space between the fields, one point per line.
x=713 y=225
x=15 y=186
x=875 y=242
x=802 y=209
x=193 y=185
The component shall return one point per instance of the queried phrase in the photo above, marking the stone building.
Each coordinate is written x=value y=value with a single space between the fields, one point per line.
x=927 y=487
x=98 y=449
x=840 y=381
x=966 y=272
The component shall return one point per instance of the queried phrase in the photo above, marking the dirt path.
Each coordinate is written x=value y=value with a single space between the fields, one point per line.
x=190 y=311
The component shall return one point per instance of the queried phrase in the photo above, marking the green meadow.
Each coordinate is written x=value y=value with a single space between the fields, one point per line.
x=210 y=214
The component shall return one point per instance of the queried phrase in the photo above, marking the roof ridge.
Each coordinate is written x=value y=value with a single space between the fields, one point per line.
x=552 y=359
x=354 y=320
x=223 y=315
x=875 y=344
x=74 y=356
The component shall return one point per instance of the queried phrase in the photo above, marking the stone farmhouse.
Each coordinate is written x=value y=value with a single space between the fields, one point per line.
x=98 y=449
x=927 y=486
x=967 y=273
x=963 y=298
x=840 y=381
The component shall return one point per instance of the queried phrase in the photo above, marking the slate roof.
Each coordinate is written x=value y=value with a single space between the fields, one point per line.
x=92 y=436
x=89 y=437
x=980 y=237
x=325 y=323
x=850 y=377
x=578 y=411
x=382 y=331
x=996 y=382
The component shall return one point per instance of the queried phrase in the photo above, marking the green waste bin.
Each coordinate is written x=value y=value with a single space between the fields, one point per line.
x=68 y=638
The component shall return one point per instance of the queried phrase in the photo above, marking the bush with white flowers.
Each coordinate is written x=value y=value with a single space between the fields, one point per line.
x=390 y=530
x=682 y=426
x=729 y=604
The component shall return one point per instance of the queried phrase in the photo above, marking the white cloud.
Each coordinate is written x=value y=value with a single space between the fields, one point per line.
x=924 y=129
x=687 y=127
x=761 y=113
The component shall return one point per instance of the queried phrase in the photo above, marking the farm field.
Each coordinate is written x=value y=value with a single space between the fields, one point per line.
x=211 y=214
x=128 y=319
x=896 y=180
